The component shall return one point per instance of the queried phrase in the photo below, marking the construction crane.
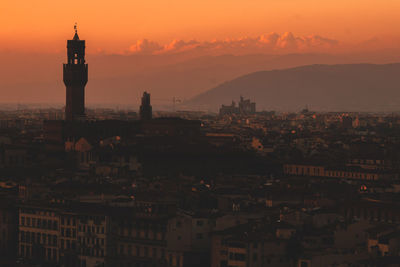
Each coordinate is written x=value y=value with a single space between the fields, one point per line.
x=175 y=100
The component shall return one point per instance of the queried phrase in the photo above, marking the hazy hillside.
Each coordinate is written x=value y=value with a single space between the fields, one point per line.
x=353 y=87
x=121 y=79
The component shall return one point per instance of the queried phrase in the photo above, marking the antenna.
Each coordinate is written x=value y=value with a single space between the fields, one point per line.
x=76 y=27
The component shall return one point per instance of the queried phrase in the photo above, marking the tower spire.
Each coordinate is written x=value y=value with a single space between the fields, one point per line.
x=76 y=37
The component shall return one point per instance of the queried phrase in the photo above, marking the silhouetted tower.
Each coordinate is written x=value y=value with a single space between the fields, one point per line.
x=145 y=108
x=75 y=78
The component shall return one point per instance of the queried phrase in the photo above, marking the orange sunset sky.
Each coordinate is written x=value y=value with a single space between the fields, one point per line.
x=114 y=26
x=183 y=47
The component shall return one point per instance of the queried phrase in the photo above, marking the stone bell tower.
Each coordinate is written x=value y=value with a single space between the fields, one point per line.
x=75 y=74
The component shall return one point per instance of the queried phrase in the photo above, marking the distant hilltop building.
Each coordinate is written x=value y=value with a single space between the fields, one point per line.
x=75 y=78
x=246 y=107
x=145 y=108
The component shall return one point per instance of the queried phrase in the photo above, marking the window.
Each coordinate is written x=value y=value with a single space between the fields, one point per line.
x=137 y=251
x=200 y=223
x=255 y=257
x=240 y=257
x=22 y=250
x=162 y=253
x=28 y=237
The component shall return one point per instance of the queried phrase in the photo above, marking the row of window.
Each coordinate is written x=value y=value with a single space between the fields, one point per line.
x=38 y=223
x=68 y=232
x=141 y=251
x=91 y=229
x=38 y=212
x=94 y=241
x=27 y=252
x=143 y=234
x=316 y=172
x=174 y=260
x=68 y=221
x=367 y=176
x=67 y=244
x=39 y=238
x=94 y=252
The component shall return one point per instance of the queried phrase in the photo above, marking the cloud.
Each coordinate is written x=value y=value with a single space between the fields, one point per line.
x=266 y=43
x=144 y=47
x=179 y=46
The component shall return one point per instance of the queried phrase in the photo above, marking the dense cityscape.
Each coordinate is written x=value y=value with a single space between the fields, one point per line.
x=142 y=188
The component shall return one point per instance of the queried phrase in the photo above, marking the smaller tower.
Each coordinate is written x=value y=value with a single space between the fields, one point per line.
x=145 y=108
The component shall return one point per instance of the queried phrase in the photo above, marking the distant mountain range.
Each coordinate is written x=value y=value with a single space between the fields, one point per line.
x=121 y=79
x=350 y=87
